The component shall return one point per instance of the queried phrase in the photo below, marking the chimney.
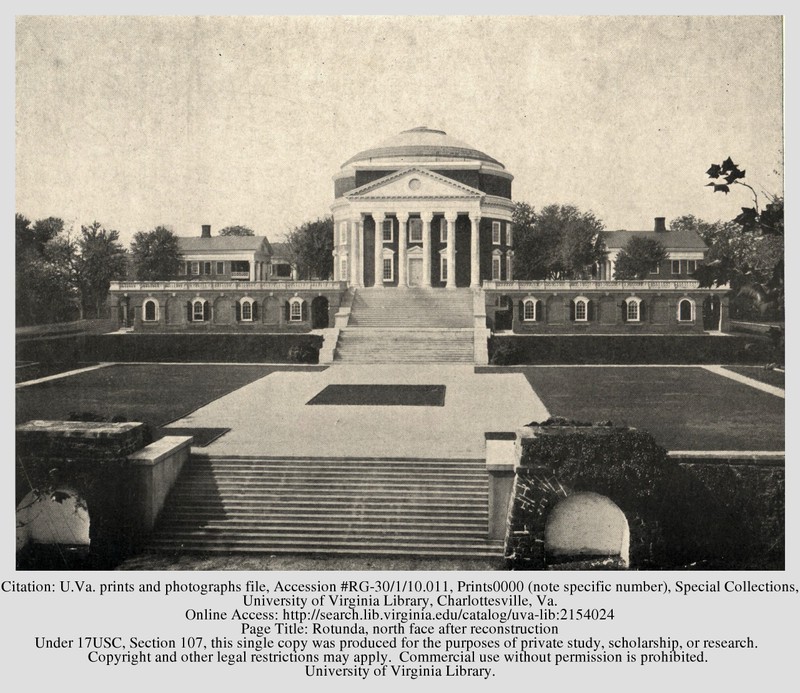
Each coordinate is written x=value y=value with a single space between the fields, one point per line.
x=661 y=226
x=206 y=231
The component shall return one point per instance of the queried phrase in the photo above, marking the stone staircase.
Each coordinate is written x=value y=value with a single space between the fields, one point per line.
x=359 y=507
x=404 y=346
x=408 y=326
x=409 y=308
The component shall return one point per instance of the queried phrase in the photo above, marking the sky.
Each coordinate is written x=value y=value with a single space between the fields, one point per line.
x=183 y=121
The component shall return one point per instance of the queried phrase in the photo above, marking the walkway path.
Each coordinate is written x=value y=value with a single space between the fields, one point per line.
x=270 y=417
x=739 y=378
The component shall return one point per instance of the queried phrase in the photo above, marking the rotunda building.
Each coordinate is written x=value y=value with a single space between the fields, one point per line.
x=422 y=209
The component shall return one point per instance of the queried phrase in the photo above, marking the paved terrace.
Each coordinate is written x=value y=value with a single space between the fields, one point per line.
x=270 y=416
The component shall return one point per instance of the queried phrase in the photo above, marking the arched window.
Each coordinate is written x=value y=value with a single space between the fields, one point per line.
x=150 y=310
x=246 y=310
x=581 y=309
x=530 y=310
x=295 y=309
x=200 y=310
x=686 y=310
x=632 y=312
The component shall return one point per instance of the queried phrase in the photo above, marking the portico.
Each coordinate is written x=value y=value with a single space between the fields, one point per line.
x=422 y=210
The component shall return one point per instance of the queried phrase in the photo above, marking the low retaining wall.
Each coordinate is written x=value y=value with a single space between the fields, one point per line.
x=154 y=471
x=205 y=347
x=627 y=349
x=122 y=480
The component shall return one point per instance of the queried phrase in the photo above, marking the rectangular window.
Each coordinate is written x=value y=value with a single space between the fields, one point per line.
x=496 y=232
x=206 y=268
x=220 y=268
x=691 y=266
x=508 y=268
x=443 y=230
x=188 y=268
x=388 y=269
x=496 y=268
x=656 y=269
x=195 y=268
x=388 y=227
x=415 y=230
x=343 y=270
x=295 y=311
x=633 y=311
x=676 y=266
x=580 y=311
x=508 y=235
x=443 y=267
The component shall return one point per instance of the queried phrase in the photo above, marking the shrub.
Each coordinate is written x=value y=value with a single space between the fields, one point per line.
x=506 y=353
x=303 y=353
x=678 y=515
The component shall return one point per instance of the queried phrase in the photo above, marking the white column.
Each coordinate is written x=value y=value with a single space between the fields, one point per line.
x=360 y=252
x=475 y=253
x=451 y=249
x=252 y=268
x=352 y=254
x=379 y=218
x=402 y=245
x=427 y=218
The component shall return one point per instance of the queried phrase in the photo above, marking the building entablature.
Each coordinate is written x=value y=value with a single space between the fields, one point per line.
x=243 y=286
x=568 y=285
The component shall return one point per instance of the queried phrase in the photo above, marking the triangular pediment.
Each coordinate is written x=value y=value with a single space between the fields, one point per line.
x=413 y=183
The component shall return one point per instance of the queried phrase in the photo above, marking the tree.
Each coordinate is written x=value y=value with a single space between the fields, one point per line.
x=101 y=259
x=760 y=275
x=638 y=258
x=45 y=272
x=558 y=242
x=311 y=248
x=768 y=221
x=155 y=254
x=236 y=231
x=748 y=262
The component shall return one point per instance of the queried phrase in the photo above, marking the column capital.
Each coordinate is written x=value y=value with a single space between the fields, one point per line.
x=403 y=216
x=379 y=217
x=427 y=217
x=451 y=217
x=475 y=216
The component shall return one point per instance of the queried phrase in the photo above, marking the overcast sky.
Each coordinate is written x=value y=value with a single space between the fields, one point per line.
x=142 y=121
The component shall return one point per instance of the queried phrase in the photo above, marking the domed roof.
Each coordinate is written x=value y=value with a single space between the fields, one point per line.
x=422 y=142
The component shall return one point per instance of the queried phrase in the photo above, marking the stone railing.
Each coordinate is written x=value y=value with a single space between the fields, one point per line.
x=286 y=285
x=597 y=285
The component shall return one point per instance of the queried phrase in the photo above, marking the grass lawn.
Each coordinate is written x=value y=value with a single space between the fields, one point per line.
x=155 y=394
x=32 y=370
x=775 y=378
x=684 y=408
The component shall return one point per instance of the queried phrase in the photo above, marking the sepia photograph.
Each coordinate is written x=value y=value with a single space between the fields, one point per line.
x=399 y=293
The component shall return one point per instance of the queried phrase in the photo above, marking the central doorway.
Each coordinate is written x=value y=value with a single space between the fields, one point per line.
x=415 y=271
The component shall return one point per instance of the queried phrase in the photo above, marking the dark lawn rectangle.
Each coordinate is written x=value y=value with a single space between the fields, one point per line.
x=684 y=408
x=382 y=395
x=154 y=394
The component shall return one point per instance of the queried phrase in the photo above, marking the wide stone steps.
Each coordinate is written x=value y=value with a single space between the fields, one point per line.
x=335 y=507
x=400 y=346
x=412 y=308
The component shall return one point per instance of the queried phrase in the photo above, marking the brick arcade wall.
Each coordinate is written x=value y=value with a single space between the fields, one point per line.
x=658 y=312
